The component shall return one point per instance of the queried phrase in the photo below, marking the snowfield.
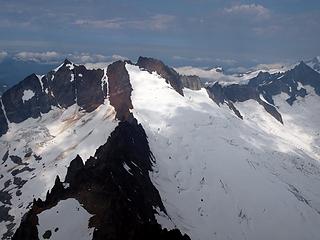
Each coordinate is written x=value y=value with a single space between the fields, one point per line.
x=45 y=147
x=220 y=177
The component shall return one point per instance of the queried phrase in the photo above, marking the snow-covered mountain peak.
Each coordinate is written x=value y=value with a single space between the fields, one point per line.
x=141 y=147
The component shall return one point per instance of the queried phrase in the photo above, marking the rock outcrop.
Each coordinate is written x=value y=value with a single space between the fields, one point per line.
x=120 y=90
x=20 y=107
x=191 y=81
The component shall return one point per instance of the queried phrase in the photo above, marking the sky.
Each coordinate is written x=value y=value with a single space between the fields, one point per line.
x=179 y=32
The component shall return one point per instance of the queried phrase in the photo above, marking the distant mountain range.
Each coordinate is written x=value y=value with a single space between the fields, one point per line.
x=14 y=70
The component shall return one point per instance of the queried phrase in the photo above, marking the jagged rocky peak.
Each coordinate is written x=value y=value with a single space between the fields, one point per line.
x=304 y=74
x=261 y=78
x=75 y=84
x=155 y=65
x=66 y=61
x=114 y=187
x=66 y=85
x=301 y=65
x=264 y=86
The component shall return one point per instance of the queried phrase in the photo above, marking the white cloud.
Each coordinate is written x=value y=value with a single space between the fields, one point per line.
x=81 y=58
x=211 y=75
x=46 y=57
x=54 y=57
x=116 y=57
x=3 y=55
x=267 y=67
x=87 y=57
x=193 y=59
x=207 y=60
x=249 y=9
x=156 y=22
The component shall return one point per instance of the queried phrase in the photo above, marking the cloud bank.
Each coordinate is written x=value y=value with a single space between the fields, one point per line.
x=55 y=57
x=249 y=10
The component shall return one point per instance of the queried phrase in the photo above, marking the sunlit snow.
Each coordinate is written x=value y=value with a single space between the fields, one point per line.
x=221 y=177
x=67 y=220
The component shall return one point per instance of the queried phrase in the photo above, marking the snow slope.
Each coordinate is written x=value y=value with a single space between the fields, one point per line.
x=220 y=177
x=60 y=221
x=45 y=147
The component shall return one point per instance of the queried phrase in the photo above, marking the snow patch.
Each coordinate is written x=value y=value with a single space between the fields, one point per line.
x=80 y=75
x=27 y=95
x=263 y=99
x=57 y=68
x=72 y=77
x=127 y=168
x=67 y=220
x=70 y=66
x=40 y=80
x=104 y=80
x=4 y=112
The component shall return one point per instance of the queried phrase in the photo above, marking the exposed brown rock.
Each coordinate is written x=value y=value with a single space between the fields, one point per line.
x=191 y=81
x=120 y=90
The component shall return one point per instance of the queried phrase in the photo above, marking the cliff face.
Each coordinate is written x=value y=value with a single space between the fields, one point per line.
x=192 y=82
x=119 y=89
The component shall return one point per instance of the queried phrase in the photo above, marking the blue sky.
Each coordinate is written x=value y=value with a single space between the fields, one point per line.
x=180 y=32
